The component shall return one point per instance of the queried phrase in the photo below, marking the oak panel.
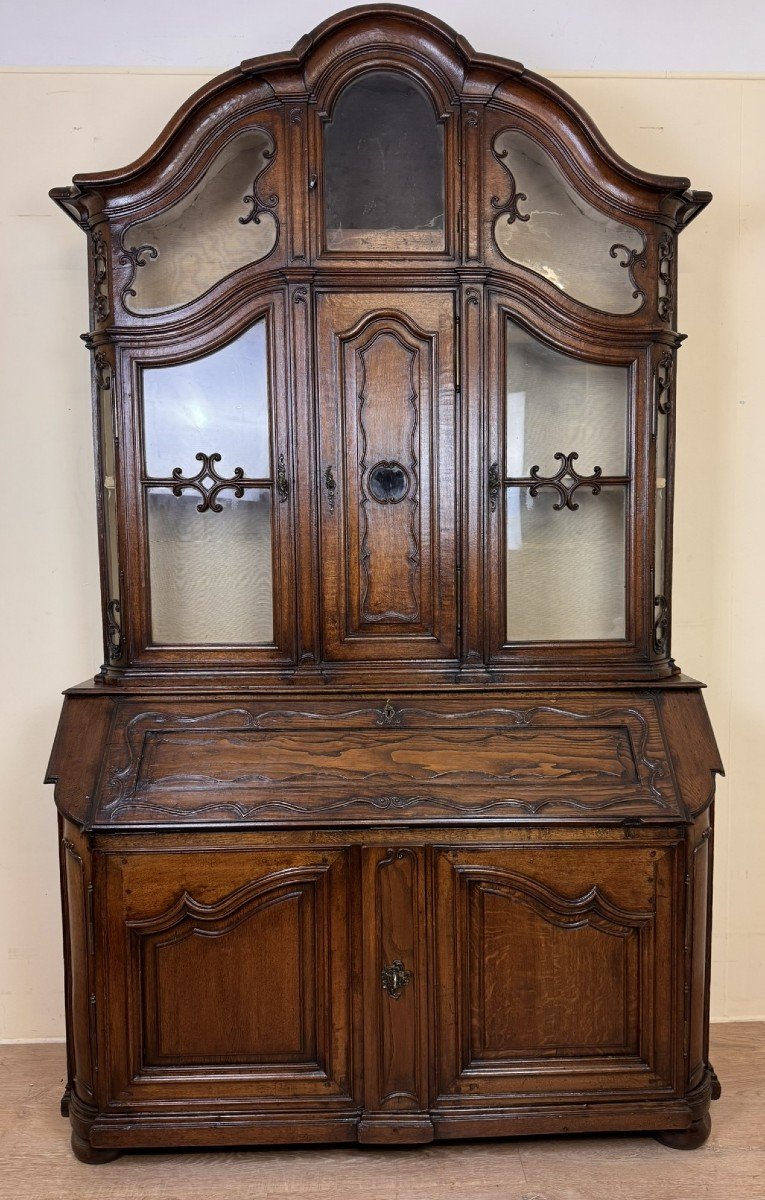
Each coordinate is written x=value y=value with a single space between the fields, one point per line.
x=387 y=417
x=268 y=934
x=550 y=967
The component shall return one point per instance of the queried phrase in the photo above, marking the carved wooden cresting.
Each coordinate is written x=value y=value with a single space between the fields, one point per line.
x=389 y=815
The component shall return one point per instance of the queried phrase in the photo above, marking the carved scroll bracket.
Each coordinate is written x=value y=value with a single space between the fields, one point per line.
x=259 y=203
x=631 y=259
x=664 y=379
x=666 y=297
x=509 y=207
x=100 y=277
x=135 y=257
x=114 y=636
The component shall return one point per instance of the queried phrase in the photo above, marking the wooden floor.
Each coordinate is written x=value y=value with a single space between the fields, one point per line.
x=36 y=1163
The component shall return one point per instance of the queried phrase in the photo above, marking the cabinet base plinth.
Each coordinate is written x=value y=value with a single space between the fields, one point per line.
x=392 y=1130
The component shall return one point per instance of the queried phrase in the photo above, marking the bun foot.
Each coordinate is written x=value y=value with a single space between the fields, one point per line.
x=687 y=1139
x=65 y=1101
x=716 y=1088
x=93 y=1155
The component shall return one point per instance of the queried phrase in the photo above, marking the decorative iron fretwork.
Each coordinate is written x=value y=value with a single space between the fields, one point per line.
x=509 y=207
x=260 y=204
x=664 y=373
x=282 y=486
x=632 y=258
x=114 y=636
x=100 y=277
x=135 y=257
x=567 y=471
x=666 y=294
x=395 y=978
x=495 y=485
x=209 y=483
x=660 y=625
x=330 y=485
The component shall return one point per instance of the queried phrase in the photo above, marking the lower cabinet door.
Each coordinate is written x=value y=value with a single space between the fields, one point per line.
x=554 y=973
x=228 y=976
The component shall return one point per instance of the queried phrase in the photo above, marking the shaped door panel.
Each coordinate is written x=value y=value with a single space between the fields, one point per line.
x=386 y=371
x=554 y=971
x=231 y=967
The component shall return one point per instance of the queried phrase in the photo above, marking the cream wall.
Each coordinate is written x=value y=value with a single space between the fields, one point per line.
x=58 y=122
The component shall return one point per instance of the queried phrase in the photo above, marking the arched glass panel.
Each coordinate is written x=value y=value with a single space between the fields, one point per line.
x=225 y=222
x=547 y=226
x=208 y=487
x=384 y=167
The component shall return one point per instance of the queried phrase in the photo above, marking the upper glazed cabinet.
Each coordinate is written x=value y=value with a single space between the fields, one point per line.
x=383 y=356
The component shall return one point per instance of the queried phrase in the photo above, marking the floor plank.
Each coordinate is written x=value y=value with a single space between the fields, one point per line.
x=36 y=1162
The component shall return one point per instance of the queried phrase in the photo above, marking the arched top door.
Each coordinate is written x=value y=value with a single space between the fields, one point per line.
x=384 y=184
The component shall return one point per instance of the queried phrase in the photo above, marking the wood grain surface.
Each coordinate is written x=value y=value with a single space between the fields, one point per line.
x=37 y=1164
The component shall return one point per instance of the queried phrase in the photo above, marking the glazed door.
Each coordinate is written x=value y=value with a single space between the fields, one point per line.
x=228 y=976
x=554 y=972
x=387 y=412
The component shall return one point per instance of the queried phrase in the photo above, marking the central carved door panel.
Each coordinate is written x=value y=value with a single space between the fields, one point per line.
x=387 y=412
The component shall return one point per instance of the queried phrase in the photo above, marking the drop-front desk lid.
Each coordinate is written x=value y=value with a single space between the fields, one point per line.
x=607 y=756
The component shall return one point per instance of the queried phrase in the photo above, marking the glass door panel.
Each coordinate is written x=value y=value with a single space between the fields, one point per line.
x=384 y=168
x=209 y=484
x=565 y=569
x=564 y=487
x=554 y=402
x=210 y=573
x=223 y=397
x=549 y=228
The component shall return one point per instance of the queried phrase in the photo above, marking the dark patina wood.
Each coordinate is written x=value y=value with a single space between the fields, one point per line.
x=391 y=877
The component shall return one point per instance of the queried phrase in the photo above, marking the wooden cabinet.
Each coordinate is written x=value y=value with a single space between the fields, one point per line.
x=389 y=814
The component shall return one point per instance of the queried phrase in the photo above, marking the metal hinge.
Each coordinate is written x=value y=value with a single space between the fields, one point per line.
x=91 y=921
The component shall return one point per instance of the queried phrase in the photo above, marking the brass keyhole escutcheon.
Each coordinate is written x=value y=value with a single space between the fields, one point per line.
x=395 y=977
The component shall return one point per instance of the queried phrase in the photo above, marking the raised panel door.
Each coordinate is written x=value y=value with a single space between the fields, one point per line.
x=554 y=972
x=387 y=413
x=233 y=971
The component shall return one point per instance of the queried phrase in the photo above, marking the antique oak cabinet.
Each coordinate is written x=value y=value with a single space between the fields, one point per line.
x=388 y=817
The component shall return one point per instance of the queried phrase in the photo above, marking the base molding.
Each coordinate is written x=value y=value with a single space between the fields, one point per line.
x=394 y=1129
x=679 y=1123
